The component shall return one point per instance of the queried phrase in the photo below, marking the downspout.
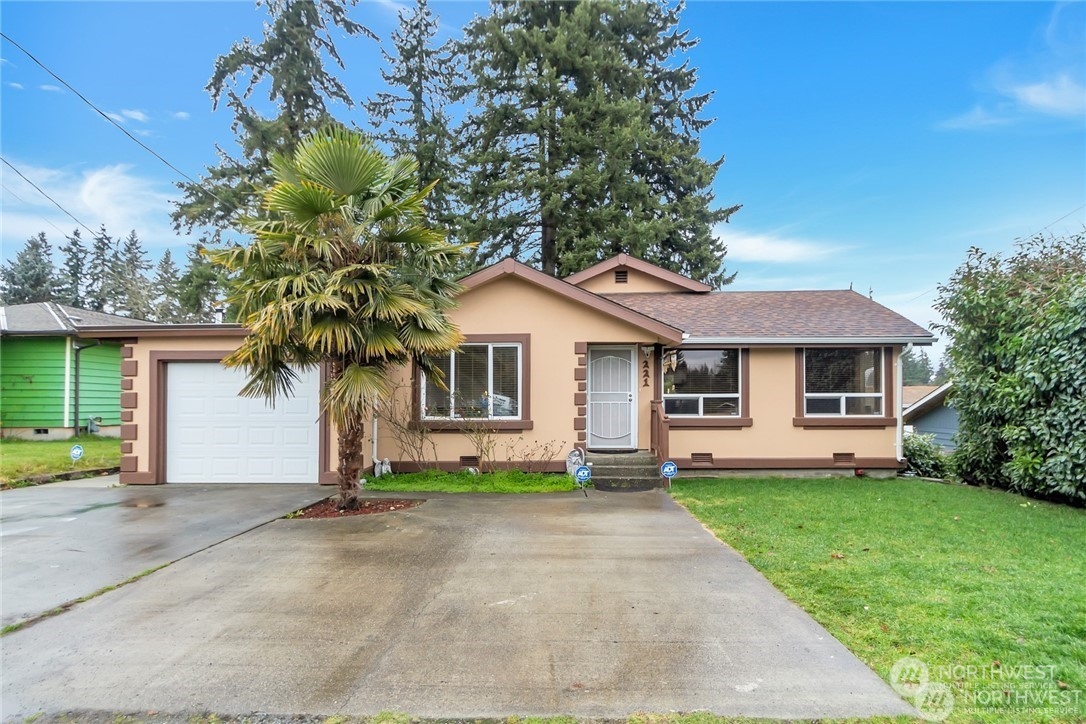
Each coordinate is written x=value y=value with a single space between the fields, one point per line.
x=373 y=434
x=900 y=442
x=79 y=348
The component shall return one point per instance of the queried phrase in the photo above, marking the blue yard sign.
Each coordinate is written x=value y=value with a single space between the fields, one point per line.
x=669 y=470
x=583 y=474
x=77 y=452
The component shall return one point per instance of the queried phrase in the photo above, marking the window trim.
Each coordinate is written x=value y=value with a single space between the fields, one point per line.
x=444 y=424
x=811 y=421
x=743 y=419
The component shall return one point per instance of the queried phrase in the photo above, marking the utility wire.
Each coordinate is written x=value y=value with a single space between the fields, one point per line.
x=121 y=128
x=3 y=186
x=55 y=202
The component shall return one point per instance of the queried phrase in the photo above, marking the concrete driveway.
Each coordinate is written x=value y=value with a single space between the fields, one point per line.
x=61 y=541
x=466 y=606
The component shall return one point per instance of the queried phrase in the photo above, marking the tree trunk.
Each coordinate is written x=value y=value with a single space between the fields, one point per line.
x=350 y=461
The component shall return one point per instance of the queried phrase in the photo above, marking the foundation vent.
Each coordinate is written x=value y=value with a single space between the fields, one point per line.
x=469 y=461
x=701 y=458
x=844 y=458
x=622 y=276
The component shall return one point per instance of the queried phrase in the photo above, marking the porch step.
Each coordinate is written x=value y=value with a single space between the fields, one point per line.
x=625 y=471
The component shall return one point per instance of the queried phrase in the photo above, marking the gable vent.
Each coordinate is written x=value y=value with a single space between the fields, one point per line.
x=622 y=276
x=701 y=458
x=469 y=461
x=844 y=458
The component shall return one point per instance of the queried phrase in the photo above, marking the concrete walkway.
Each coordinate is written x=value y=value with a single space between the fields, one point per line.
x=466 y=606
x=65 y=540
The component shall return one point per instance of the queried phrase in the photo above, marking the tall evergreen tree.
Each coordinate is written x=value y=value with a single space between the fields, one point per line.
x=101 y=270
x=584 y=141
x=411 y=116
x=291 y=56
x=166 y=306
x=200 y=288
x=28 y=278
x=916 y=367
x=134 y=296
x=71 y=279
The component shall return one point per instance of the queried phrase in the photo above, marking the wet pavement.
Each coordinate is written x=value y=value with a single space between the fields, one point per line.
x=62 y=541
x=464 y=607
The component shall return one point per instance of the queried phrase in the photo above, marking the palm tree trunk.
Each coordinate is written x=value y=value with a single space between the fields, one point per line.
x=350 y=461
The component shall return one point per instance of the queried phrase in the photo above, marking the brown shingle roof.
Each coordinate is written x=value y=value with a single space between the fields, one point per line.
x=806 y=315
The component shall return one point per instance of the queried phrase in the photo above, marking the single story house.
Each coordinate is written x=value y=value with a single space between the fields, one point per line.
x=54 y=380
x=928 y=414
x=622 y=356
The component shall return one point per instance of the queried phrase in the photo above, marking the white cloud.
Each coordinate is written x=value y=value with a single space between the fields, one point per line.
x=743 y=246
x=16 y=86
x=143 y=132
x=51 y=88
x=1059 y=96
x=135 y=115
x=181 y=115
x=116 y=117
x=111 y=195
x=976 y=118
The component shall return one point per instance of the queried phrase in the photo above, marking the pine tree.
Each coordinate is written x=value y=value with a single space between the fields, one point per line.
x=71 y=278
x=297 y=38
x=411 y=117
x=916 y=367
x=166 y=307
x=28 y=278
x=583 y=141
x=942 y=372
x=134 y=296
x=200 y=287
x=101 y=271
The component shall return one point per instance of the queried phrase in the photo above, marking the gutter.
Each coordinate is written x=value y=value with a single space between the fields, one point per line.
x=809 y=341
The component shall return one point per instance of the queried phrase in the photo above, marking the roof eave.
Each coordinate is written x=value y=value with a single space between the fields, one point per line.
x=163 y=330
x=809 y=341
x=642 y=266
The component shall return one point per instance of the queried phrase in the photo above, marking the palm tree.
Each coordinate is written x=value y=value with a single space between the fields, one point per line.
x=342 y=272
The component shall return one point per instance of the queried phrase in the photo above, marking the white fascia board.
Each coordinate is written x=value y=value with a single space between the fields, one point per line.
x=808 y=341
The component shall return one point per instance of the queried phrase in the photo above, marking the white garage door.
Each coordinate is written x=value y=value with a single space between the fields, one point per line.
x=214 y=436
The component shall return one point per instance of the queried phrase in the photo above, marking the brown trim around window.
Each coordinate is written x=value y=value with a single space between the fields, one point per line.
x=715 y=423
x=525 y=421
x=158 y=409
x=847 y=422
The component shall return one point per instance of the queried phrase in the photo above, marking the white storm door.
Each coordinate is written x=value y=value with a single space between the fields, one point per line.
x=214 y=436
x=612 y=411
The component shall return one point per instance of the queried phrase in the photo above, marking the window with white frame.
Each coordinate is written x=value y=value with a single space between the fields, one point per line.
x=842 y=382
x=482 y=381
x=701 y=382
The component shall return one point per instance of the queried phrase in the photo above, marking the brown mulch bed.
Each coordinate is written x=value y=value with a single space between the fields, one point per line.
x=327 y=508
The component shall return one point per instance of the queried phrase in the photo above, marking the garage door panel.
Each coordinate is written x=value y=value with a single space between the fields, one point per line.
x=213 y=435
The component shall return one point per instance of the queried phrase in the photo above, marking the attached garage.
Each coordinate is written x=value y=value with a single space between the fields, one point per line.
x=215 y=436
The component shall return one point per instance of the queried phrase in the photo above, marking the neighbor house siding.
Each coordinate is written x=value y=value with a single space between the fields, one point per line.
x=32 y=382
x=99 y=383
x=942 y=422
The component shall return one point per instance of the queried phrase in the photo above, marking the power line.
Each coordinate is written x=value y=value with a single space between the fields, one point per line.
x=55 y=202
x=39 y=215
x=1080 y=208
x=121 y=128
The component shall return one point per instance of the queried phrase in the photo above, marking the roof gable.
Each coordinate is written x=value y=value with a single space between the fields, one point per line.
x=511 y=267
x=667 y=281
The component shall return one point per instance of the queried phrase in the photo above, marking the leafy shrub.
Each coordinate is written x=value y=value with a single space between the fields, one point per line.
x=924 y=457
x=1017 y=330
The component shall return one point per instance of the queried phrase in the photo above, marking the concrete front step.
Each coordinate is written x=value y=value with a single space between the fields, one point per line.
x=625 y=471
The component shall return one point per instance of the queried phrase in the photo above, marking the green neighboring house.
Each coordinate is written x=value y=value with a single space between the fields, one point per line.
x=52 y=377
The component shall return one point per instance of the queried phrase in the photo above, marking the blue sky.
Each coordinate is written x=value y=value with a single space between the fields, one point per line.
x=871 y=144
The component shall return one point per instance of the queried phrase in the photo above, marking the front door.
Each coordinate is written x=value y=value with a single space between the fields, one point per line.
x=612 y=385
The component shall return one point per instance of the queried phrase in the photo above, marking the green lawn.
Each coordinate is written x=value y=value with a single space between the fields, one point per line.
x=975 y=583
x=21 y=458
x=511 y=481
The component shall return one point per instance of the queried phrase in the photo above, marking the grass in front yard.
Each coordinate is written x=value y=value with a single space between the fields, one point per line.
x=22 y=458
x=502 y=481
x=955 y=576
